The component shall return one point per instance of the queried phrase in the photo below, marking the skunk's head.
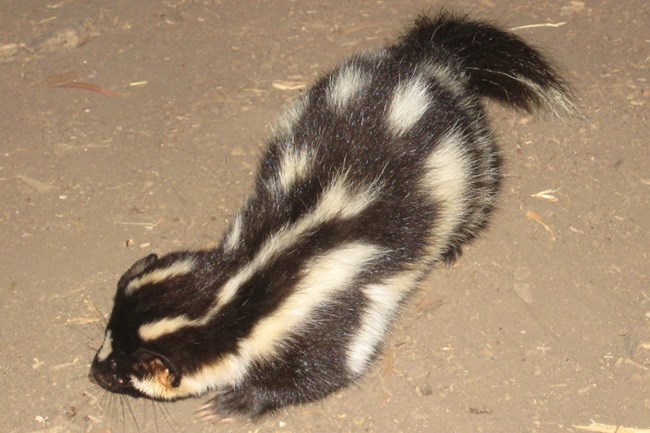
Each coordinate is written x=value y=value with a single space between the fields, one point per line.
x=156 y=334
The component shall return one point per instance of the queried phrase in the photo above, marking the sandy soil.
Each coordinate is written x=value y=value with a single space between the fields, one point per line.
x=536 y=330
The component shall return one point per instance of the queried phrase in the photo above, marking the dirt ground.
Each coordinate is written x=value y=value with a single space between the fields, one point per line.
x=135 y=127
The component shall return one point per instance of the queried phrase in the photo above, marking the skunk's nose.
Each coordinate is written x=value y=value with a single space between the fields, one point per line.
x=101 y=376
x=105 y=374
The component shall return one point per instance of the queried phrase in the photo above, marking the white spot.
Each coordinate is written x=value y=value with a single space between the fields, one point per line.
x=342 y=200
x=383 y=301
x=106 y=348
x=153 y=330
x=446 y=179
x=234 y=236
x=294 y=166
x=349 y=82
x=452 y=80
x=176 y=269
x=325 y=275
x=410 y=101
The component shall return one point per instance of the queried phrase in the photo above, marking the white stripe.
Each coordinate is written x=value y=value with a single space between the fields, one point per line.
x=338 y=201
x=410 y=101
x=176 y=269
x=446 y=178
x=106 y=348
x=383 y=301
x=349 y=82
x=153 y=330
x=234 y=236
x=325 y=275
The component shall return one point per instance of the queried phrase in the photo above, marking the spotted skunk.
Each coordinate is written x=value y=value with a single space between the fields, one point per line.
x=385 y=167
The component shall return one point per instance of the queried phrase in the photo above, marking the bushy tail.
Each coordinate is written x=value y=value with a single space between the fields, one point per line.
x=499 y=64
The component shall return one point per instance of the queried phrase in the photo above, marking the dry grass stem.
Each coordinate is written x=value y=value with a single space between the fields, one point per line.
x=608 y=428
x=288 y=85
x=547 y=195
x=533 y=26
x=534 y=216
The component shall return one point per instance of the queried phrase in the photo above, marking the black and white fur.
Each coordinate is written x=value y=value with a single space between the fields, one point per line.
x=383 y=168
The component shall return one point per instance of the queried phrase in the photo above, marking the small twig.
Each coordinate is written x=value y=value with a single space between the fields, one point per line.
x=288 y=85
x=88 y=86
x=608 y=428
x=130 y=223
x=532 y=26
x=82 y=320
x=547 y=195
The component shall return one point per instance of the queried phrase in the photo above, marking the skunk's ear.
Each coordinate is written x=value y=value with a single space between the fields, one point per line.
x=136 y=269
x=152 y=364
